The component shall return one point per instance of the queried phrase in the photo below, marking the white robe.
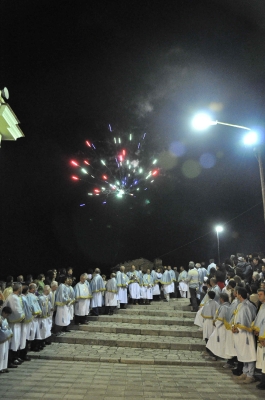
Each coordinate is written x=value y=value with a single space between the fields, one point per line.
x=4 y=355
x=110 y=299
x=122 y=295
x=230 y=350
x=183 y=288
x=15 y=340
x=62 y=317
x=147 y=293
x=216 y=342
x=245 y=346
x=97 y=300
x=208 y=328
x=198 y=319
x=134 y=289
x=82 y=307
x=259 y=357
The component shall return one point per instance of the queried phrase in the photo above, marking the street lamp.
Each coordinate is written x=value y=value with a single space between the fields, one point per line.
x=203 y=121
x=218 y=229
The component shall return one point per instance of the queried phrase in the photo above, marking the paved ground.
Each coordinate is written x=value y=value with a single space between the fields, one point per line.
x=61 y=380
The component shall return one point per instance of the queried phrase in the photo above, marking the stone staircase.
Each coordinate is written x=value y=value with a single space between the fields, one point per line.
x=161 y=333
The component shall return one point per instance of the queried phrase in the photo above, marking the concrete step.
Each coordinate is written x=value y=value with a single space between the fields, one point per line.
x=132 y=341
x=156 y=313
x=144 y=319
x=124 y=355
x=139 y=329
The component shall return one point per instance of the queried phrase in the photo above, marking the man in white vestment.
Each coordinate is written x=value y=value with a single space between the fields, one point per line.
x=82 y=300
x=122 y=285
x=111 y=300
x=147 y=287
x=256 y=327
x=34 y=334
x=261 y=339
x=244 y=337
x=216 y=342
x=215 y=288
x=5 y=337
x=230 y=351
x=134 y=284
x=208 y=315
x=183 y=286
x=97 y=286
x=54 y=287
x=44 y=325
x=156 y=279
x=166 y=281
x=173 y=278
x=62 y=302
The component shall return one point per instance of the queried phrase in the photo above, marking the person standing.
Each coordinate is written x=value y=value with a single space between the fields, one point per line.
x=183 y=286
x=62 y=302
x=14 y=301
x=208 y=315
x=5 y=337
x=257 y=325
x=45 y=306
x=82 y=300
x=147 y=289
x=193 y=281
x=243 y=336
x=134 y=284
x=261 y=339
x=210 y=266
x=34 y=334
x=167 y=281
x=157 y=282
x=97 y=288
x=111 y=294
x=122 y=285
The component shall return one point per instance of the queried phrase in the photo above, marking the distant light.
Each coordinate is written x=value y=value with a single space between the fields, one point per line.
x=155 y=161
x=104 y=202
x=90 y=194
x=86 y=162
x=250 y=138
x=84 y=170
x=152 y=181
x=123 y=152
x=82 y=205
x=115 y=140
x=75 y=178
x=93 y=146
x=130 y=137
x=102 y=162
x=155 y=172
x=96 y=190
x=88 y=143
x=140 y=170
x=219 y=228
x=92 y=176
x=137 y=189
x=104 y=177
x=202 y=121
x=119 y=140
x=74 y=163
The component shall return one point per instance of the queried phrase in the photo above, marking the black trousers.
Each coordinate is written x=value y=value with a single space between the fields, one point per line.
x=193 y=299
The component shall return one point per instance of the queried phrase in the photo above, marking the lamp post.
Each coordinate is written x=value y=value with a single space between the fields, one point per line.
x=218 y=229
x=203 y=121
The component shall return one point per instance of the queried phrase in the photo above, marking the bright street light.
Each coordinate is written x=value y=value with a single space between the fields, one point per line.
x=250 y=138
x=218 y=229
x=202 y=121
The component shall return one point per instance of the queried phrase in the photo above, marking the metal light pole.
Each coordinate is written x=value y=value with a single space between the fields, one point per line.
x=218 y=229
x=202 y=121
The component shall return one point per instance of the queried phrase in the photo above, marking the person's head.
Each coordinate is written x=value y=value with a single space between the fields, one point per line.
x=237 y=279
x=113 y=275
x=241 y=258
x=204 y=288
x=25 y=290
x=97 y=271
x=158 y=270
x=231 y=284
x=198 y=265
x=175 y=269
x=211 y=294
x=169 y=267
x=83 y=278
x=133 y=268
x=263 y=268
x=55 y=272
x=64 y=279
x=242 y=294
x=224 y=298
x=255 y=261
x=6 y=311
x=46 y=290
x=32 y=288
x=41 y=277
x=262 y=285
x=54 y=286
x=191 y=265
x=17 y=288
x=122 y=268
x=181 y=268
x=69 y=271
x=20 y=278
x=69 y=281
x=261 y=295
x=253 y=289
x=213 y=282
x=148 y=271
x=29 y=279
x=211 y=261
x=104 y=277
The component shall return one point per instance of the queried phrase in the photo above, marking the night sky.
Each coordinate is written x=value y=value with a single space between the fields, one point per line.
x=74 y=67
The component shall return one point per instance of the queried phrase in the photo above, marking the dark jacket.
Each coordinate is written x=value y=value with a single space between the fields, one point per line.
x=244 y=270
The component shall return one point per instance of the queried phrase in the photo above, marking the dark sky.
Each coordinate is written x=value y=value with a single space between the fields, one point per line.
x=72 y=68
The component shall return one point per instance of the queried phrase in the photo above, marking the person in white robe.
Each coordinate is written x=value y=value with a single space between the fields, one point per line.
x=83 y=295
x=5 y=337
x=72 y=297
x=122 y=284
x=62 y=302
x=208 y=315
x=183 y=286
x=216 y=342
x=261 y=339
x=256 y=326
x=34 y=334
x=157 y=282
x=244 y=337
x=26 y=326
x=230 y=351
x=97 y=288
x=45 y=306
x=166 y=281
x=147 y=287
x=134 y=284
x=173 y=279
x=14 y=301
x=111 y=293
x=198 y=318
x=54 y=287
x=216 y=289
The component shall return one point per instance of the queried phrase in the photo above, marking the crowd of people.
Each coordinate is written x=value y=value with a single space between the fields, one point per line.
x=229 y=301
